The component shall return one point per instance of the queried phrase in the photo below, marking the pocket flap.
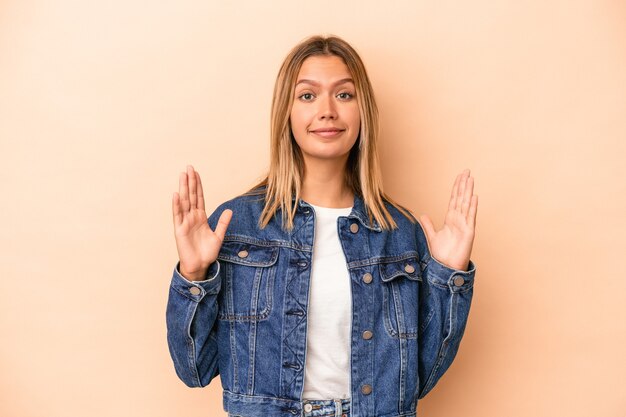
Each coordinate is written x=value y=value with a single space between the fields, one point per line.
x=409 y=268
x=244 y=253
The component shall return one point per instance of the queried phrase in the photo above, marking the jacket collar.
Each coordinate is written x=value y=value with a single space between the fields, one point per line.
x=358 y=212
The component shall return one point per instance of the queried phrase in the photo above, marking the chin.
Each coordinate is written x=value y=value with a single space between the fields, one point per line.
x=326 y=156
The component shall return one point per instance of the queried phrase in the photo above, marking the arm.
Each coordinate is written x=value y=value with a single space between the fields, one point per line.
x=448 y=282
x=192 y=304
x=190 y=316
x=447 y=294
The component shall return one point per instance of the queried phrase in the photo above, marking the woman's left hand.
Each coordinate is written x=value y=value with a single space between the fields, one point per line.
x=452 y=244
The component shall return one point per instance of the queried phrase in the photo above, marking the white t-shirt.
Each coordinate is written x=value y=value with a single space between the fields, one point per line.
x=327 y=365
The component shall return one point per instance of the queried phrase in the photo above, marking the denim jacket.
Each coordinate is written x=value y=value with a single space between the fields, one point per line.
x=247 y=321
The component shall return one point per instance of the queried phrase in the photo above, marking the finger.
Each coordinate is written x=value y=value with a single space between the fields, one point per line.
x=461 y=191
x=222 y=223
x=200 y=192
x=193 y=197
x=455 y=189
x=176 y=214
x=428 y=227
x=467 y=196
x=472 y=212
x=183 y=191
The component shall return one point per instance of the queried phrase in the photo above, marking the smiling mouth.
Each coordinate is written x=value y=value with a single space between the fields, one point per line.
x=327 y=133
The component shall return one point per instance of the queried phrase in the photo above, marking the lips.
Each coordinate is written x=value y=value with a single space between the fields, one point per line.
x=327 y=131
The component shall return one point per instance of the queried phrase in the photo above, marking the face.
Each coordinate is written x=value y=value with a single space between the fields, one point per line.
x=325 y=118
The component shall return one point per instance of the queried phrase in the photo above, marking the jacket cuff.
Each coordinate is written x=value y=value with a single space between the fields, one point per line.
x=196 y=290
x=455 y=279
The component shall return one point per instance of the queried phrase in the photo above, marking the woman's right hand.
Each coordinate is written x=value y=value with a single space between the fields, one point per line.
x=196 y=243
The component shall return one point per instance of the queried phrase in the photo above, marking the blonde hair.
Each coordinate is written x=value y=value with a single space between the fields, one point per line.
x=363 y=175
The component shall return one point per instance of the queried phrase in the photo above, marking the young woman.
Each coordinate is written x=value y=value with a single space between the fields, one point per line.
x=314 y=293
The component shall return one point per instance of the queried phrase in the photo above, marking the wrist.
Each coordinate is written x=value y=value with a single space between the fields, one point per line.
x=454 y=265
x=197 y=275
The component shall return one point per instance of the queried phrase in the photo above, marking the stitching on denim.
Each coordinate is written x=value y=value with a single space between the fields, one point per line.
x=442 y=349
x=270 y=273
x=388 y=287
x=403 y=364
x=426 y=322
x=267 y=243
x=307 y=219
x=253 y=332
x=381 y=260
x=400 y=271
x=246 y=262
x=233 y=354
x=257 y=397
x=191 y=346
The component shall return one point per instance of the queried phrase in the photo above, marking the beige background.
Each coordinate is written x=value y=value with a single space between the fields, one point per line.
x=103 y=103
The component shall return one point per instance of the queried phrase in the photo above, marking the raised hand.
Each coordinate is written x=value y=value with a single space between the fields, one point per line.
x=452 y=244
x=196 y=243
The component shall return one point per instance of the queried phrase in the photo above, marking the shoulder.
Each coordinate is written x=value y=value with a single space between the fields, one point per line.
x=409 y=228
x=403 y=216
x=248 y=205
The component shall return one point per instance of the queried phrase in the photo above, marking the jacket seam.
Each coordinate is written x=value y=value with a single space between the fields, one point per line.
x=191 y=346
x=430 y=382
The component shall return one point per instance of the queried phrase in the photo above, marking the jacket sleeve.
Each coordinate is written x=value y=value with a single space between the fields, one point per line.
x=191 y=317
x=445 y=298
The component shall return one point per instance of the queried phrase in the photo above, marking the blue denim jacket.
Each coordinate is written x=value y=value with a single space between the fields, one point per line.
x=247 y=321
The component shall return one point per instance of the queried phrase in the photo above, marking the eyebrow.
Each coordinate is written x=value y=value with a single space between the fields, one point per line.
x=343 y=80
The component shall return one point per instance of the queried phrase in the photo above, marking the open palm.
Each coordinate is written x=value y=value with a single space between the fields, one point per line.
x=197 y=245
x=452 y=244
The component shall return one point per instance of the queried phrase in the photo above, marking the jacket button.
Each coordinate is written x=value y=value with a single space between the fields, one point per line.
x=458 y=281
x=366 y=389
x=308 y=408
x=354 y=227
x=242 y=253
x=367 y=278
x=367 y=335
x=194 y=290
x=409 y=269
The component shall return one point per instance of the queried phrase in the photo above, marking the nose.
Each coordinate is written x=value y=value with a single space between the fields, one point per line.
x=327 y=108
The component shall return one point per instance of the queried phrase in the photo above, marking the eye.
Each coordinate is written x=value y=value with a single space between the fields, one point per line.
x=345 y=96
x=306 y=96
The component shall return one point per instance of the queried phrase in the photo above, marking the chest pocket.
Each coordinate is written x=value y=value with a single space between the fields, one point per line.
x=247 y=282
x=404 y=315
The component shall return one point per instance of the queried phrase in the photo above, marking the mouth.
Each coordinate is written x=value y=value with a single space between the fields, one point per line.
x=327 y=132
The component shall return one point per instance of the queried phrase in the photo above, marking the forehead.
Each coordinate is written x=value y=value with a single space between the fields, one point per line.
x=323 y=67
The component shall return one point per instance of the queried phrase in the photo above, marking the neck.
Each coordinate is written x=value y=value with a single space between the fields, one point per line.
x=324 y=184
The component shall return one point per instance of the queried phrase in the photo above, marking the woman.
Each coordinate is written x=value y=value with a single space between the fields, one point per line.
x=315 y=294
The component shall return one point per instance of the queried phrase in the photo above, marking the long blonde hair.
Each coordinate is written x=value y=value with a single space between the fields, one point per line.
x=282 y=185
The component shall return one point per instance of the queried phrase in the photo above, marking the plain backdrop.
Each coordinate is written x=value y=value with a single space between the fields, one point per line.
x=103 y=103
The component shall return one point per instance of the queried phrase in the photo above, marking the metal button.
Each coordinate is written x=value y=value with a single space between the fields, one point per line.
x=195 y=290
x=242 y=253
x=366 y=389
x=354 y=227
x=367 y=335
x=409 y=269
x=367 y=278
x=308 y=408
x=458 y=281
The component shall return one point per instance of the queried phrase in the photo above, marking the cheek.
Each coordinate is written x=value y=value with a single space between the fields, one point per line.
x=297 y=119
x=355 y=118
x=298 y=126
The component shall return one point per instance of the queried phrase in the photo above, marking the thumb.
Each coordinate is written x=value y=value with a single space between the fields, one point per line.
x=222 y=223
x=428 y=227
